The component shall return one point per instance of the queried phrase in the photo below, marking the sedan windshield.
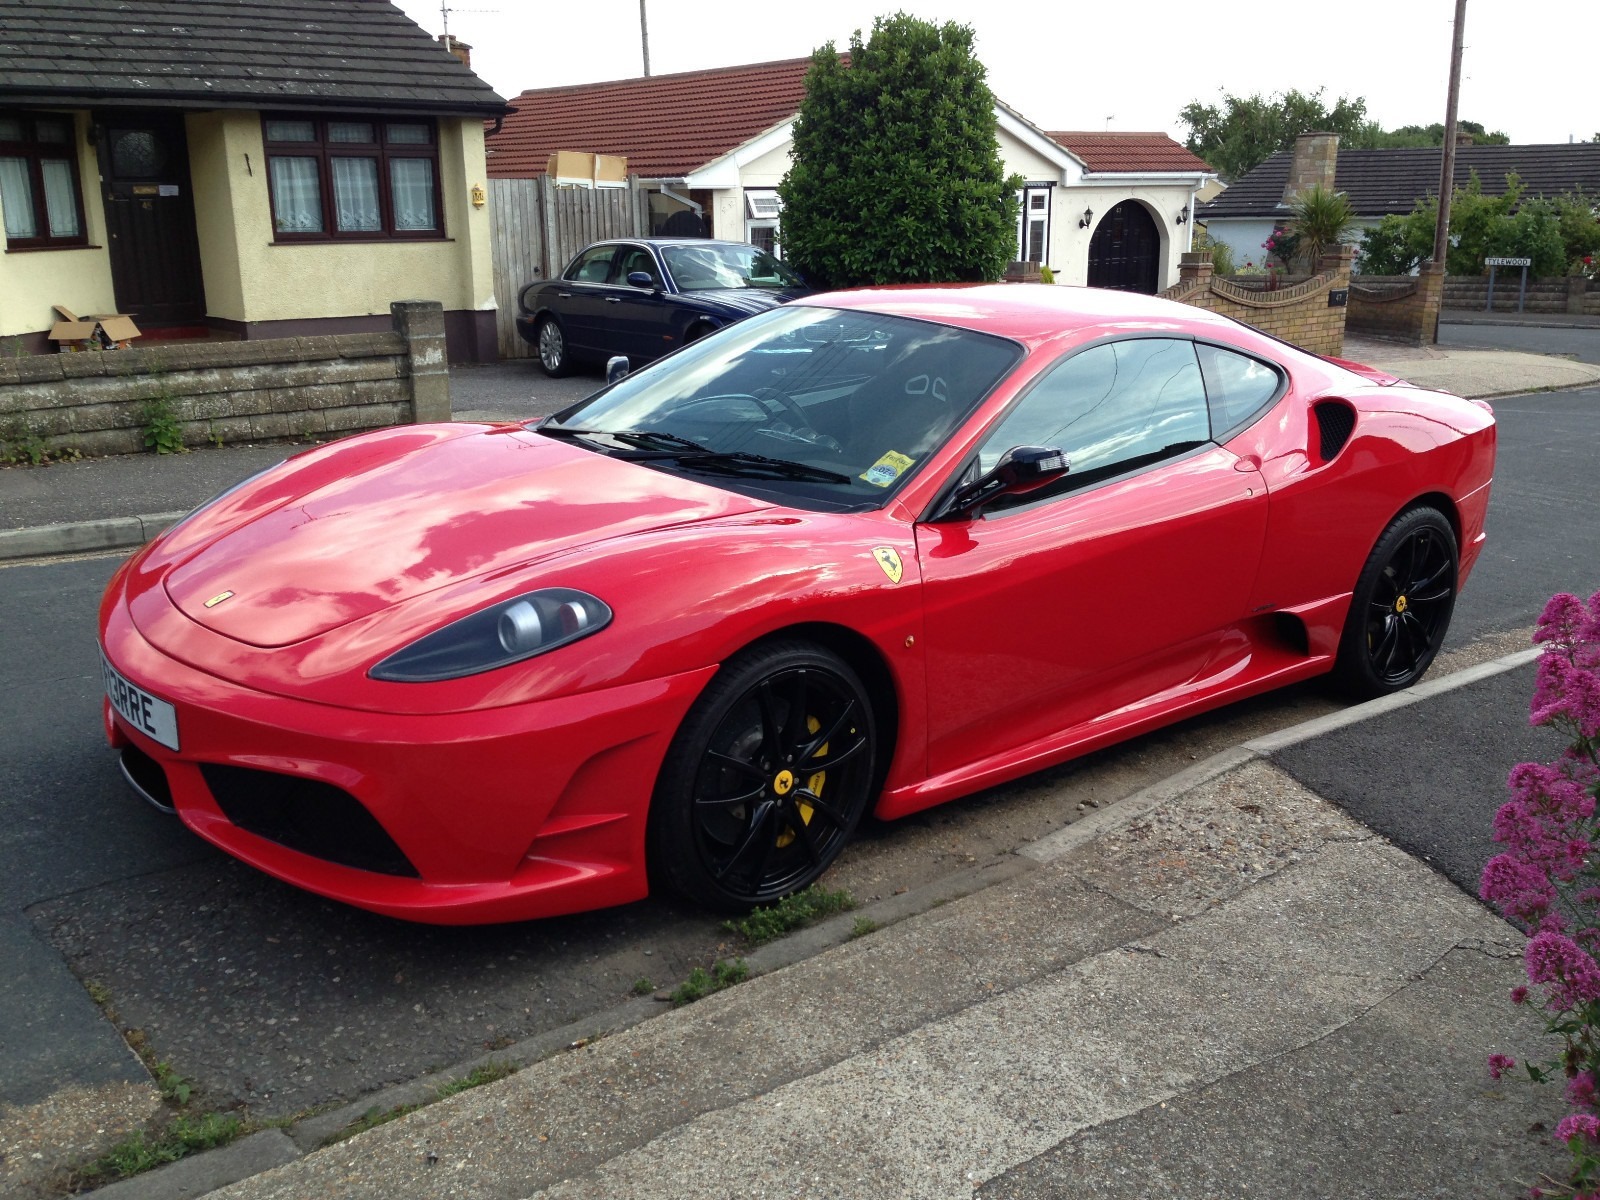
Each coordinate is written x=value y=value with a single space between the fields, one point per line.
x=834 y=407
x=713 y=266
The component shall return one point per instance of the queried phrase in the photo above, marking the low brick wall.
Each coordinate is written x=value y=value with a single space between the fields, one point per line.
x=1396 y=308
x=310 y=387
x=1299 y=313
x=1549 y=295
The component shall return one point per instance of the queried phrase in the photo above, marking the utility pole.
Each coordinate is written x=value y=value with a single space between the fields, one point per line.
x=644 y=36
x=1447 y=168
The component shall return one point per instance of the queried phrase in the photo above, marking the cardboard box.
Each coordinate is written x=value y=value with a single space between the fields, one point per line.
x=102 y=331
x=575 y=168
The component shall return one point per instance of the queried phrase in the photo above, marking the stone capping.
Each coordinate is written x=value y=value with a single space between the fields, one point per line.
x=1251 y=297
x=1382 y=289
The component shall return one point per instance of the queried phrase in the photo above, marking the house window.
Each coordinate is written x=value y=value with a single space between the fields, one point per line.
x=352 y=177
x=762 y=208
x=39 y=181
x=1033 y=230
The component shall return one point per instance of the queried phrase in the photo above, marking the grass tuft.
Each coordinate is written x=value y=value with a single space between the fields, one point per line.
x=806 y=907
x=702 y=983
x=137 y=1152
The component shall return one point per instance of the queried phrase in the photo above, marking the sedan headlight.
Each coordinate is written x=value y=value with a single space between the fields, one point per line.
x=504 y=633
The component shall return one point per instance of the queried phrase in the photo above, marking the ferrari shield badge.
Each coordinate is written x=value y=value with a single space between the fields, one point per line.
x=890 y=562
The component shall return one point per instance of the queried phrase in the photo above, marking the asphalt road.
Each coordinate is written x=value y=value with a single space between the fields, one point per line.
x=1582 y=344
x=265 y=996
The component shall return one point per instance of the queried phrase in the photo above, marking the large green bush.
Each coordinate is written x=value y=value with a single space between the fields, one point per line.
x=896 y=176
x=1508 y=225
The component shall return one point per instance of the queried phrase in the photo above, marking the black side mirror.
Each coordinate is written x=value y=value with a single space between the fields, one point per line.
x=641 y=279
x=1021 y=469
x=616 y=368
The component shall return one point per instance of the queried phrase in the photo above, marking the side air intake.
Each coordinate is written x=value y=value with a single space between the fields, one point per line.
x=1336 y=421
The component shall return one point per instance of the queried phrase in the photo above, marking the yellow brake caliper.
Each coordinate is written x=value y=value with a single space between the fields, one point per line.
x=815 y=784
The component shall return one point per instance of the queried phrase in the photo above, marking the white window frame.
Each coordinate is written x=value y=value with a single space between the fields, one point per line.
x=1027 y=218
x=763 y=209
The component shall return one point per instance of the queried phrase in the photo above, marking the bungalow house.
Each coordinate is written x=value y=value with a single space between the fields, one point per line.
x=1108 y=209
x=1381 y=182
x=260 y=169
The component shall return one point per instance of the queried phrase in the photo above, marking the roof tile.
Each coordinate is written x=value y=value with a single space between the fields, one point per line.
x=1132 y=152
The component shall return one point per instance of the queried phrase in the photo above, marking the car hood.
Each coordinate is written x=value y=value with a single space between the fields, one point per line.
x=746 y=302
x=333 y=539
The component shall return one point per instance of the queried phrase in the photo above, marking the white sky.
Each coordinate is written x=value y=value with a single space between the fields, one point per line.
x=1069 y=64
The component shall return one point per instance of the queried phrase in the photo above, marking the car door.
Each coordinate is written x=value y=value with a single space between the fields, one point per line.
x=579 y=299
x=638 y=319
x=1113 y=585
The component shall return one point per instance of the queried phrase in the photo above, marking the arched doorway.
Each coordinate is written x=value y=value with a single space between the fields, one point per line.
x=1125 y=251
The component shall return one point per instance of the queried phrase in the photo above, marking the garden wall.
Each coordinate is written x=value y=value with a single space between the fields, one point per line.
x=1299 y=312
x=1396 y=308
x=1551 y=295
x=312 y=387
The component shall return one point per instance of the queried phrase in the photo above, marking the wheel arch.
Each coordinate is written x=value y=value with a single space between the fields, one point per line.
x=1435 y=500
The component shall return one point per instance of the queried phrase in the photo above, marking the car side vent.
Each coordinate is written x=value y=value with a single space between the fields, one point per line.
x=1336 y=421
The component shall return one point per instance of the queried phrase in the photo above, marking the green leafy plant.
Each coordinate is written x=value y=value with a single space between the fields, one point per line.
x=805 y=907
x=477 y=1077
x=642 y=986
x=896 y=174
x=701 y=983
x=1323 y=219
x=163 y=432
x=140 y=1152
x=173 y=1087
x=1046 y=275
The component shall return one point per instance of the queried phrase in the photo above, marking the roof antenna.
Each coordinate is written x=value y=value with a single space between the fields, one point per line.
x=1110 y=119
x=444 y=18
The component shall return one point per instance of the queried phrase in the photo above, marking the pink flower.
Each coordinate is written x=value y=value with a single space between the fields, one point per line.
x=1518 y=889
x=1581 y=1091
x=1556 y=960
x=1499 y=1064
x=1519 y=994
x=1578 y=1125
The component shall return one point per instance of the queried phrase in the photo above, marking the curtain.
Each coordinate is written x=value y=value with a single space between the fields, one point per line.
x=60 y=198
x=16 y=194
x=355 y=195
x=296 y=198
x=411 y=180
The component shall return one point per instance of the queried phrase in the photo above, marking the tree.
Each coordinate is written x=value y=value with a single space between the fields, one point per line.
x=1245 y=131
x=896 y=175
x=1480 y=226
x=1323 y=219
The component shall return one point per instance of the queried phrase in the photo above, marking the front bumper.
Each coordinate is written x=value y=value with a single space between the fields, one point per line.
x=502 y=814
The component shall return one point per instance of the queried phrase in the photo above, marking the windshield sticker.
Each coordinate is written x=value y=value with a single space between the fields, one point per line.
x=887 y=469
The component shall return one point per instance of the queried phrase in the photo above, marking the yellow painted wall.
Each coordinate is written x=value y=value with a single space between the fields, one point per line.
x=32 y=280
x=249 y=277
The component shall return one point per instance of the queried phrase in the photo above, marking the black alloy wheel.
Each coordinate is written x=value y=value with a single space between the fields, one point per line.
x=1401 y=607
x=766 y=780
x=552 y=344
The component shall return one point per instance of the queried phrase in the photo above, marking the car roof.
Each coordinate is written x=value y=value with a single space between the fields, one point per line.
x=1030 y=313
x=667 y=241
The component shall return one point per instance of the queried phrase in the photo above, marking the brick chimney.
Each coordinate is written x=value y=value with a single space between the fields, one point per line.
x=457 y=47
x=1316 y=156
x=1463 y=139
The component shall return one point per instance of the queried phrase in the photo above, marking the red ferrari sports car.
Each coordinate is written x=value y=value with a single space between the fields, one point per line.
x=864 y=552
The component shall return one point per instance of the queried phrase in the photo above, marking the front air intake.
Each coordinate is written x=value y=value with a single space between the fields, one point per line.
x=306 y=815
x=1336 y=421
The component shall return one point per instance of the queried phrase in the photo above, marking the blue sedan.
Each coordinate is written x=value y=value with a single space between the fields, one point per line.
x=645 y=297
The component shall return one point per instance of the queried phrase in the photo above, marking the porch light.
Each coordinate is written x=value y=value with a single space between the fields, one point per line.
x=1183 y=215
x=1087 y=219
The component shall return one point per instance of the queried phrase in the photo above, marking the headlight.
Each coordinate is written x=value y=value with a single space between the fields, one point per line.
x=505 y=633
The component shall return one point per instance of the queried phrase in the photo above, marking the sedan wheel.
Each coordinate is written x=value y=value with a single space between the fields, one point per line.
x=553 y=349
x=766 y=780
x=1401 y=607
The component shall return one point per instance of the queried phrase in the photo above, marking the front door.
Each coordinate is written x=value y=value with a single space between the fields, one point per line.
x=155 y=256
x=1125 y=251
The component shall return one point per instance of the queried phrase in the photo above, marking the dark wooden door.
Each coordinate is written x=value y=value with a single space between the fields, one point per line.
x=1125 y=251
x=155 y=256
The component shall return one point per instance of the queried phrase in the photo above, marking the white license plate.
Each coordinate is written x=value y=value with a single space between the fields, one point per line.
x=150 y=715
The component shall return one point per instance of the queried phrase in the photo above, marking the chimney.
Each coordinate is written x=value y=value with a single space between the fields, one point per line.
x=457 y=47
x=1463 y=139
x=1316 y=156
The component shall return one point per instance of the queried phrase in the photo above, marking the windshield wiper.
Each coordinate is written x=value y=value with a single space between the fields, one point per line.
x=682 y=449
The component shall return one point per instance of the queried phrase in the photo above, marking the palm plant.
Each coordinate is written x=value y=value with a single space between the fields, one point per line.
x=1323 y=219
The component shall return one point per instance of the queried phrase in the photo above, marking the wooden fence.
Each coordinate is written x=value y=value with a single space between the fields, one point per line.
x=536 y=228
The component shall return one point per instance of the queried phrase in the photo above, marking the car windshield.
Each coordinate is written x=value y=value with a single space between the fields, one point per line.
x=702 y=268
x=836 y=408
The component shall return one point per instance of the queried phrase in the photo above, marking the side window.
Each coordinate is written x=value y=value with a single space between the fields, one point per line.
x=636 y=258
x=592 y=266
x=1110 y=407
x=1238 y=387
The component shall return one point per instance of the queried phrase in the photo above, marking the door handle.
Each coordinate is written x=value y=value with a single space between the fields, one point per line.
x=564 y=295
x=613 y=299
x=1247 y=462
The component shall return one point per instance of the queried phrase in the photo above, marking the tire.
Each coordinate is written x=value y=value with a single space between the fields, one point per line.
x=551 y=343
x=1401 y=607
x=736 y=820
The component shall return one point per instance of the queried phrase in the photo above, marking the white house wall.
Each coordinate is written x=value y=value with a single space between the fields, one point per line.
x=1069 y=244
x=1245 y=235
